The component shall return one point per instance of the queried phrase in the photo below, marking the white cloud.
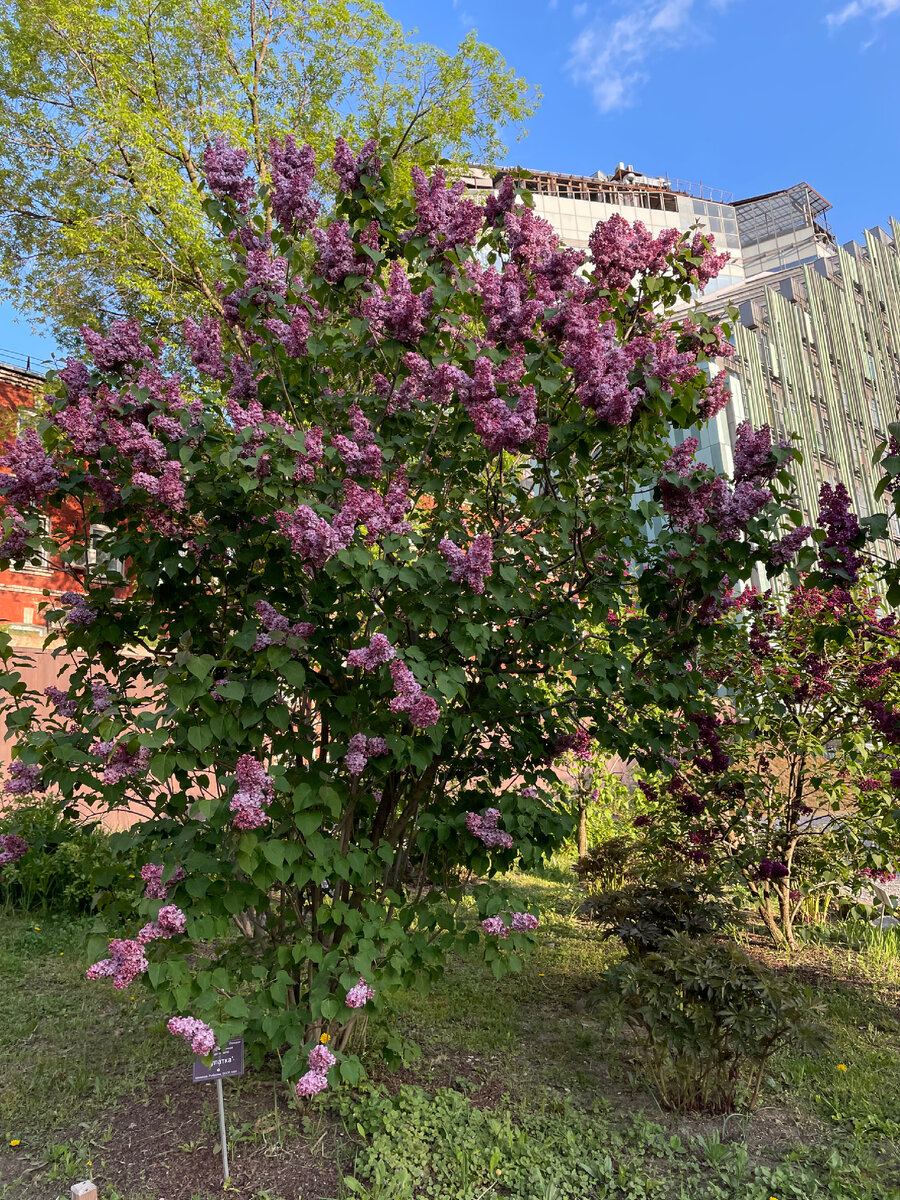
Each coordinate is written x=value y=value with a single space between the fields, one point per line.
x=876 y=9
x=611 y=56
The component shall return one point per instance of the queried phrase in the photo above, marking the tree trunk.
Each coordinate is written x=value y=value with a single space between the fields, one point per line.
x=582 y=826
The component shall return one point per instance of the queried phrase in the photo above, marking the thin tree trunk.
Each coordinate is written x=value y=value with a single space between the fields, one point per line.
x=582 y=826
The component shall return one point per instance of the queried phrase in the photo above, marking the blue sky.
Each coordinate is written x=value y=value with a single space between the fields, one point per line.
x=744 y=95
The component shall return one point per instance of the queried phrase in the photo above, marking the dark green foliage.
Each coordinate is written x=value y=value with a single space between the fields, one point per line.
x=706 y=1020
x=68 y=867
x=644 y=915
x=605 y=865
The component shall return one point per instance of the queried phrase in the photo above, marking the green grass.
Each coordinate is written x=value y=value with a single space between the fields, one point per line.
x=519 y=1077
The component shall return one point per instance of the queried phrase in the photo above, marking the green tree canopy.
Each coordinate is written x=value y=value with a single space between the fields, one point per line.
x=105 y=111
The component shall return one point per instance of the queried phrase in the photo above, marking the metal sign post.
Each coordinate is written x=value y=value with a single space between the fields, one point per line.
x=227 y=1063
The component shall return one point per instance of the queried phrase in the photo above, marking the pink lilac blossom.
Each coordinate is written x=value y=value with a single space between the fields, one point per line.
x=80 y=612
x=599 y=363
x=205 y=344
x=152 y=874
x=65 y=705
x=837 y=552
x=533 y=243
x=199 y=1036
x=484 y=827
x=381 y=516
x=274 y=622
x=524 y=922
x=168 y=489
x=224 y=167
x=306 y=463
x=619 y=251
x=125 y=963
x=121 y=348
x=255 y=792
x=361 y=749
x=101 y=697
x=529 y=793
x=378 y=652
x=350 y=169
x=169 y=921
x=32 y=474
x=443 y=216
x=243 y=381
x=787 y=549
x=311 y=1083
x=23 y=778
x=421 y=709
x=124 y=763
x=359 y=995
x=399 y=312
x=753 y=458
x=359 y=453
x=293 y=171
x=338 y=255
x=15 y=544
x=495 y=927
x=472 y=566
x=509 y=313
x=12 y=848
x=321 y=1058
x=577 y=743
x=312 y=537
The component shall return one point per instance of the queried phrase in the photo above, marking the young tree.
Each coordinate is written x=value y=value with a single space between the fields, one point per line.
x=363 y=564
x=105 y=112
x=794 y=785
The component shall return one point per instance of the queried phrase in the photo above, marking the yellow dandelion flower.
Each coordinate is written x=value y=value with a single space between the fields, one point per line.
x=15 y=1142
x=325 y=1039
x=38 y=928
x=841 y=1067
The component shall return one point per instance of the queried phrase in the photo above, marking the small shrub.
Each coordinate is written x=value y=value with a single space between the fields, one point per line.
x=706 y=1019
x=66 y=865
x=643 y=915
x=609 y=864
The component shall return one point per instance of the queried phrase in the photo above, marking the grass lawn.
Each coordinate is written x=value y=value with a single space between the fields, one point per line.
x=520 y=1091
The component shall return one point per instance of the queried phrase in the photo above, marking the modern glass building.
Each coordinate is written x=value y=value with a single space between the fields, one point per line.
x=817 y=333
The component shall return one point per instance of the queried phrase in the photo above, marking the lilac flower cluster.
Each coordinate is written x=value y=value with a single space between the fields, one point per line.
x=443 y=216
x=101 y=696
x=378 y=652
x=349 y=168
x=224 y=167
x=312 y=457
x=80 y=611
x=152 y=874
x=619 y=251
x=753 y=457
x=169 y=921
x=878 y=874
x=198 y=1035
x=313 y=538
x=276 y=627
x=837 y=552
x=770 y=869
x=399 y=312
x=15 y=544
x=205 y=344
x=422 y=710
x=578 y=744
x=703 y=501
x=360 y=994
x=64 y=704
x=23 y=778
x=255 y=792
x=12 y=848
x=520 y=923
x=316 y=1078
x=361 y=749
x=121 y=763
x=359 y=452
x=293 y=171
x=125 y=963
x=787 y=549
x=32 y=474
x=121 y=347
x=340 y=256
x=472 y=566
x=484 y=827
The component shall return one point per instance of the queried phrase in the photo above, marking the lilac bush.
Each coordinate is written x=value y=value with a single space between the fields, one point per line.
x=372 y=539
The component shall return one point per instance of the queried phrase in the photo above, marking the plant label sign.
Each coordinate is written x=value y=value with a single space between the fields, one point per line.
x=228 y=1062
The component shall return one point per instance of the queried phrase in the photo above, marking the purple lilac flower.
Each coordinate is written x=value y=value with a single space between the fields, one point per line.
x=32 y=474
x=125 y=963
x=524 y=922
x=152 y=874
x=293 y=170
x=12 y=848
x=422 y=710
x=771 y=869
x=361 y=749
x=472 y=566
x=170 y=920
x=199 y=1036
x=64 y=704
x=224 y=167
x=23 y=778
x=378 y=652
x=358 y=996
x=484 y=827
x=495 y=927
x=842 y=530
x=311 y=1083
x=255 y=792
